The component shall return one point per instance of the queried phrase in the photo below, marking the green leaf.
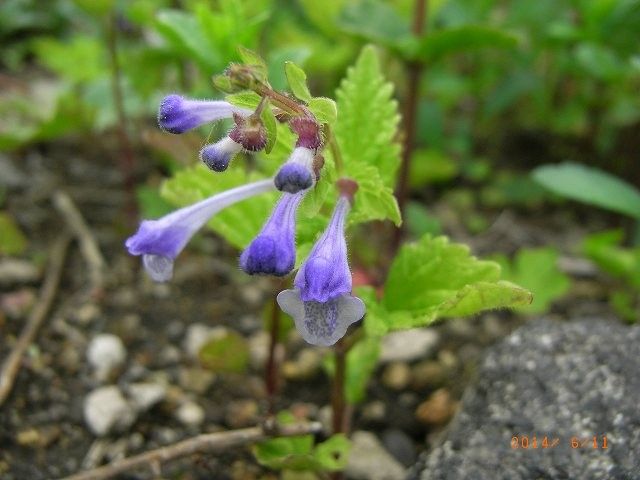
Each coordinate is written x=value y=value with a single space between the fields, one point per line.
x=366 y=133
x=433 y=278
x=297 y=80
x=245 y=99
x=362 y=359
x=374 y=21
x=465 y=38
x=537 y=271
x=228 y=353
x=368 y=119
x=271 y=126
x=324 y=109
x=591 y=186
x=239 y=223
x=12 y=240
x=249 y=57
x=605 y=250
x=299 y=454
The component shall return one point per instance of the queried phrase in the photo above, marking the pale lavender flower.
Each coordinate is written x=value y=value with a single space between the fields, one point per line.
x=160 y=241
x=321 y=303
x=273 y=251
x=297 y=173
x=217 y=155
x=178 y=114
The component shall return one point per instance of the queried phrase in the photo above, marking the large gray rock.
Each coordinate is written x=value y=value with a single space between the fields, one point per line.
x=554 y=380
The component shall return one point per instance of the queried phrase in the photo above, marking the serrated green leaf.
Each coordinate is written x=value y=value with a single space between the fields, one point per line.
x=433 y=278
x=465 y=38
x=368 y=119
x=537 y=271
x=226 y=353
x=239 y=223
x=591 y=186
x=297 y=80
x=362 y=359
x=324 y=109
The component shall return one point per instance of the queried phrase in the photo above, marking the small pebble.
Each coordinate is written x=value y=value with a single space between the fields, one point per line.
x=258 y=349
x=190 y=414
x=105 y=354
x=409 y=345
x=197 y=380
x=306 y=365
x=106 y=410
x=396 y=376
x=369 y=460
x=437 y=409
x=242 y=413
x=146 y=395
x=428 y=373
x=400 y=446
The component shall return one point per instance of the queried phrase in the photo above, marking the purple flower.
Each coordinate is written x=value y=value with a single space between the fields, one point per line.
x=160 y=241
x=217 y=155
x=178 y=114
x=273 y=251
x=297 y=173
x=321 y=303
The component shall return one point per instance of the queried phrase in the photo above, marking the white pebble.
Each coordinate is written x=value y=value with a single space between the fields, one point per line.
x=190 y=414
x=106 y=410
x=106 y=353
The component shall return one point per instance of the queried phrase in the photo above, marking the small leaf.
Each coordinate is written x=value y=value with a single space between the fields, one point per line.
x=537 y=270
x=297 y=80
x=324 y=109
x=249 y=57
x=12 y=240
x=228 y=352
x=332 y=454
x=223 y=83
x=591 y=186
x=271 y=125
x=245 y=99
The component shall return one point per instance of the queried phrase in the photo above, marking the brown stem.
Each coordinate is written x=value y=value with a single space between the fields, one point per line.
x=410 y=110
x=338 y=401
x=127 y=158
x=272 y=368
x=281 y=101
x=206 y=442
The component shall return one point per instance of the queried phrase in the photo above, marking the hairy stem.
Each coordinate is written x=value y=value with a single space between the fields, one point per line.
x=127 y=159
x=338 y=400
x=335 y=150
x=409 y=115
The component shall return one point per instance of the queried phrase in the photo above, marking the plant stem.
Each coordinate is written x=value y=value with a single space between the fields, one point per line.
x=127 y=159
x=272 y=368
x=335 y=150
x=281 y=101
x=338 y=400
x=410 y=112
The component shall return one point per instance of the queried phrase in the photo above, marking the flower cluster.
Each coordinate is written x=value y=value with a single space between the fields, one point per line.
x=320 y=302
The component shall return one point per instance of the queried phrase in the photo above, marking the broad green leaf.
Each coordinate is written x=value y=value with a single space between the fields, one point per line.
x=324 y=109
x=591 y=186
x=368 y=118
x=227 y=353
x=537 y=271
x=239 y=223
x=433 y=278
x=465 y=38
x=332 y=454
x=297 y=80
x=605 y=250
x=12 y=240
x=245 y=99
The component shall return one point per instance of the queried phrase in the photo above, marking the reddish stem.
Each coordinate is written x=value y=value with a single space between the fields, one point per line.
x=272 y=368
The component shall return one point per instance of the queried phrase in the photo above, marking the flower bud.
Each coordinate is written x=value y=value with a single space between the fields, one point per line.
x=249 y=132
x=297 y=173
x=217 y=156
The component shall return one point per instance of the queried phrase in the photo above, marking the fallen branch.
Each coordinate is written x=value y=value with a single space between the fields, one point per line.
x=206 y=442
x=11 y=365
x=88 y=244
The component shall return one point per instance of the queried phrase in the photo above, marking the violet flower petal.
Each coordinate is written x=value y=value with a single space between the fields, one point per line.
x=296 y=173
x=178 y=114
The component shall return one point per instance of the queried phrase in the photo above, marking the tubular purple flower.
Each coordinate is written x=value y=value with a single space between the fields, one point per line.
x=217 y=156
x=178 y=114
x=321 y=303
x=297 y=173
x=160 y=241
x=273 y=251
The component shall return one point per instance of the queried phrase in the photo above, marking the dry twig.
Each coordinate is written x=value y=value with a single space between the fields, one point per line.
x=88 y=245
x=11 y=365
x=206 y=442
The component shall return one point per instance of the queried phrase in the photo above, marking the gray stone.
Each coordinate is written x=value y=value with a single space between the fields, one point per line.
x=190 y=414
x=106 y=410
x=145 y=395
x=105 y=353
x=408 y=345
x=559 y=381
x=369 y=460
